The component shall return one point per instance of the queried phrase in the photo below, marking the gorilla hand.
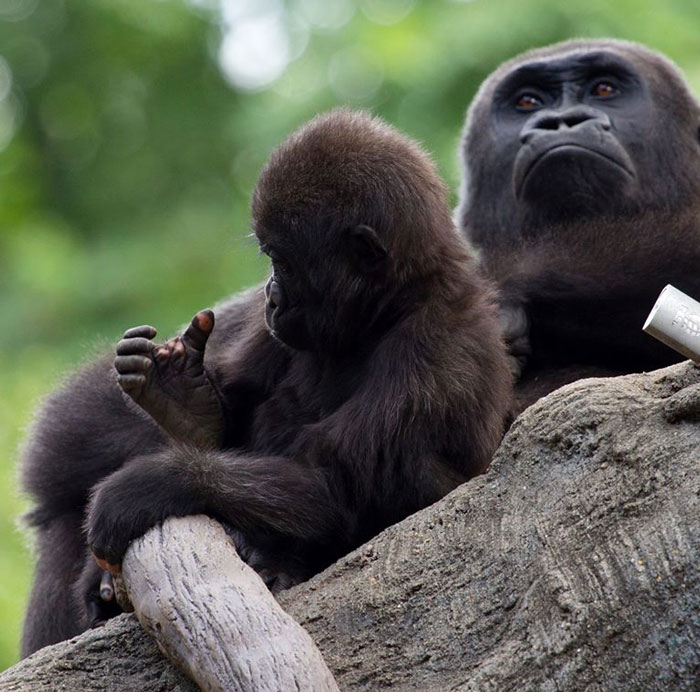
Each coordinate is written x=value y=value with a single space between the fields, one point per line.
x=516 y=332
x=131 y=501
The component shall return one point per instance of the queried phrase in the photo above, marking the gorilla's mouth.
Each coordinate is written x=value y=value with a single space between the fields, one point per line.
x=576 y=149
x=526 y=166
x=289 y=328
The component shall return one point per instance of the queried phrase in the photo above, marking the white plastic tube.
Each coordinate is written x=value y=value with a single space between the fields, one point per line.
x=675 y=321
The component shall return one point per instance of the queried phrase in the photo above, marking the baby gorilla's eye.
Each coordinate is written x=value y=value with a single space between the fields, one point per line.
x=281 y=268
x=528 y=102
x=603 y=89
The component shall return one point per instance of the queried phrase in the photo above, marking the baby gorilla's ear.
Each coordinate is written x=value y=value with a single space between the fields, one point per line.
x=365 y=250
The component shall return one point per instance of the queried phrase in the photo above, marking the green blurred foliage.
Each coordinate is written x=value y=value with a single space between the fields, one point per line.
x=127 y=159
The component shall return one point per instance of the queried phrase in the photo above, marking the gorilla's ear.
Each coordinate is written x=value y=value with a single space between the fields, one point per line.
x=365 y=249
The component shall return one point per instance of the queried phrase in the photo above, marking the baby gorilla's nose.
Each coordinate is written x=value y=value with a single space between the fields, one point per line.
x=276 y=296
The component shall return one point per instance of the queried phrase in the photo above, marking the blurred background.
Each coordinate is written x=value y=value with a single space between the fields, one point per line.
x=132 y=133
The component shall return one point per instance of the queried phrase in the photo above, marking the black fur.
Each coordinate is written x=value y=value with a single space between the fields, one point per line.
x=380 y=384
x=582 y=240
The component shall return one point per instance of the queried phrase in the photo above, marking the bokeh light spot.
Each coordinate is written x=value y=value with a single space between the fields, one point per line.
x=255 y=51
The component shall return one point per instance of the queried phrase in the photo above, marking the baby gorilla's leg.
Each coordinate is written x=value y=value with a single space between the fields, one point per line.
x=169 y=381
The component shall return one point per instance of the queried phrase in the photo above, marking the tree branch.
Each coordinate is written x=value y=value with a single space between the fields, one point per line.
x=212 y=615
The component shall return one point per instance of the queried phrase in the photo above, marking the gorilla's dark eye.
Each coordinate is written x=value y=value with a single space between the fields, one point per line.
x=528 y=102
x=281 y=268
x=603 y=90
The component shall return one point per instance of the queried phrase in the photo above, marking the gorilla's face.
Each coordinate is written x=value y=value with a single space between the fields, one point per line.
x=573 y=131
x=577 y=131
x=325 y=285
x=286 y=311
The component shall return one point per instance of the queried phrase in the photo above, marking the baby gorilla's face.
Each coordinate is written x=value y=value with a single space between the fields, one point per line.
x=284 y=312
x=326 y=285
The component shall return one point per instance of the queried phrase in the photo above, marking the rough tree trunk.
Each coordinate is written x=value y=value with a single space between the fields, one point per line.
x=572 y=564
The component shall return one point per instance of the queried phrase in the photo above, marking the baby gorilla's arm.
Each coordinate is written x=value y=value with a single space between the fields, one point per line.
x=169 y=381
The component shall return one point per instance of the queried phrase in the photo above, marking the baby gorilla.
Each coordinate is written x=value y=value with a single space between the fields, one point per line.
x=364 y=381
x=354 y=221
x=169 y=381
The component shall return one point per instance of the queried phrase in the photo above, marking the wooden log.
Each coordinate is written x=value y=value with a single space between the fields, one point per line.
x=212 y=615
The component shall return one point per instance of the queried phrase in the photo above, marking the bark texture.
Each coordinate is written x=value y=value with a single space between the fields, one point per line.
x=212 y=615
x=572 y=564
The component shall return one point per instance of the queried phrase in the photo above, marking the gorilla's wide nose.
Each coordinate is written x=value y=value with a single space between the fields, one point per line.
x=553 y=120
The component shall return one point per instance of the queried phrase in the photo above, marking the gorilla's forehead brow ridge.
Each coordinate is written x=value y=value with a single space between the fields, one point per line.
x=573 y=65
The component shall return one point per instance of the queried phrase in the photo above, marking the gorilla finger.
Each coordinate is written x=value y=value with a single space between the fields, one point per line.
x=132 y=364
x=131 y=383
x=520 y=347
x=95 y=616
x=145 y=331
x=162 y=353
x=177 y=348
x=514 y=321
x=129 y=347
x=173 y=350
x=106 y=587
x=199 y=330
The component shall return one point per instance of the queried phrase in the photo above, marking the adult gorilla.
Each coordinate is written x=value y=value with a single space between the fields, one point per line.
x=581 y=191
